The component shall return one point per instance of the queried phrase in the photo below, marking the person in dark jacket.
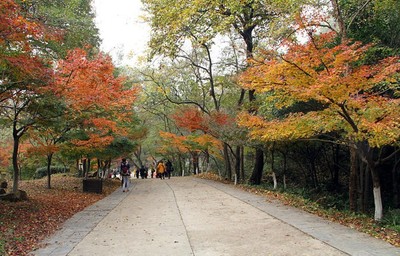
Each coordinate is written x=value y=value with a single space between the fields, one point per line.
x=143 y=172
x=125 y=173
x=169 y=168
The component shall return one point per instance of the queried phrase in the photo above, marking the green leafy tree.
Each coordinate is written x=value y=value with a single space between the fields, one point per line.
x=250 y=21
x=72 y=19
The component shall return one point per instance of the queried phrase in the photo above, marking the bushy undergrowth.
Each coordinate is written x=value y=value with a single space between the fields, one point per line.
x=392 y=219
x=42 y=171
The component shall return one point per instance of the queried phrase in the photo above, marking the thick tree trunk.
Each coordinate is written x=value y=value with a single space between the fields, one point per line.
x=377 y=194
x=228 y=167
x=364 y=171
x=247 y=35
x=257 y=173
x=378 y=204
x=366 y=154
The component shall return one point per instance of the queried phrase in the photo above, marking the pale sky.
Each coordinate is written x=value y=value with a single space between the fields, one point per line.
x=122 y=30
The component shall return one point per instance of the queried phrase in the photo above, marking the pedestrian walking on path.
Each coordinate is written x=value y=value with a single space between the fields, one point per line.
x=125 y=173
x=161 y=170
x=168 y=169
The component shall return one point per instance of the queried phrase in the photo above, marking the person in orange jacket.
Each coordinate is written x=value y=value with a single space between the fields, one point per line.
x=161 y=170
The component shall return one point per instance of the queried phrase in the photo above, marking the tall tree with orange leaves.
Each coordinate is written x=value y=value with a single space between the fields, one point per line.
x=23 y=73
x=204 y=132
x=348 y=90
x=30 y=41
x=98 y=102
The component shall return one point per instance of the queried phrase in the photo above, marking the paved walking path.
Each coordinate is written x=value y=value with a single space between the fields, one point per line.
x=189 y=216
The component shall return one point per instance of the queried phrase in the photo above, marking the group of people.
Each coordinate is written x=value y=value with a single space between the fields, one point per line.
x=162 y=171
x=142 y=172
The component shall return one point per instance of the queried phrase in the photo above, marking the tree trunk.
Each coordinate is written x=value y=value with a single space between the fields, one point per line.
x=77 y=167
x=273 y=166
x=339 y=19
x=84 y=168
x=49 y=159
x=228 y=167
x=181 y=166
x=395 y=182
x=335 y=176
x=353 y=179
x=284 y=169
x=237 y=164
x=196 y=169
x=378 y=204
x=284 y=181
x=257 y=173
x=242 y=164
x=366 y=154
x=99 y=168
x=274 y=180
x=377 y=194
x=207 y=160
x=15 y=164
x=366 y=188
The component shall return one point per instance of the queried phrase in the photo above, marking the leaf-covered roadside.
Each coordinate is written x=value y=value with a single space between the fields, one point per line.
x=24 y=224
x=360 y=223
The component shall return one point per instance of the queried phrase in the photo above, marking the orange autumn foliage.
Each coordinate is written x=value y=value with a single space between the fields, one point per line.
x=194 y=120
x=90 y=88
x=190 y=143
x=89 y=83
x=173 y=142
x=17 y=30
x=5 y=155
x=20 y=61
x=191 y=119
x=333 y=76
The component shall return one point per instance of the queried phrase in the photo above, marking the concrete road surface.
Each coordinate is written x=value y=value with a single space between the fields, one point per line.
x=190 y=216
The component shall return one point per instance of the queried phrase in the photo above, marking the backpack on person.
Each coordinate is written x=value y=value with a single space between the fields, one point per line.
x=124 y=170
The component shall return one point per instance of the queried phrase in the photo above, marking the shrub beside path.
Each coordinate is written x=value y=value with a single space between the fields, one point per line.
x=190 y=216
